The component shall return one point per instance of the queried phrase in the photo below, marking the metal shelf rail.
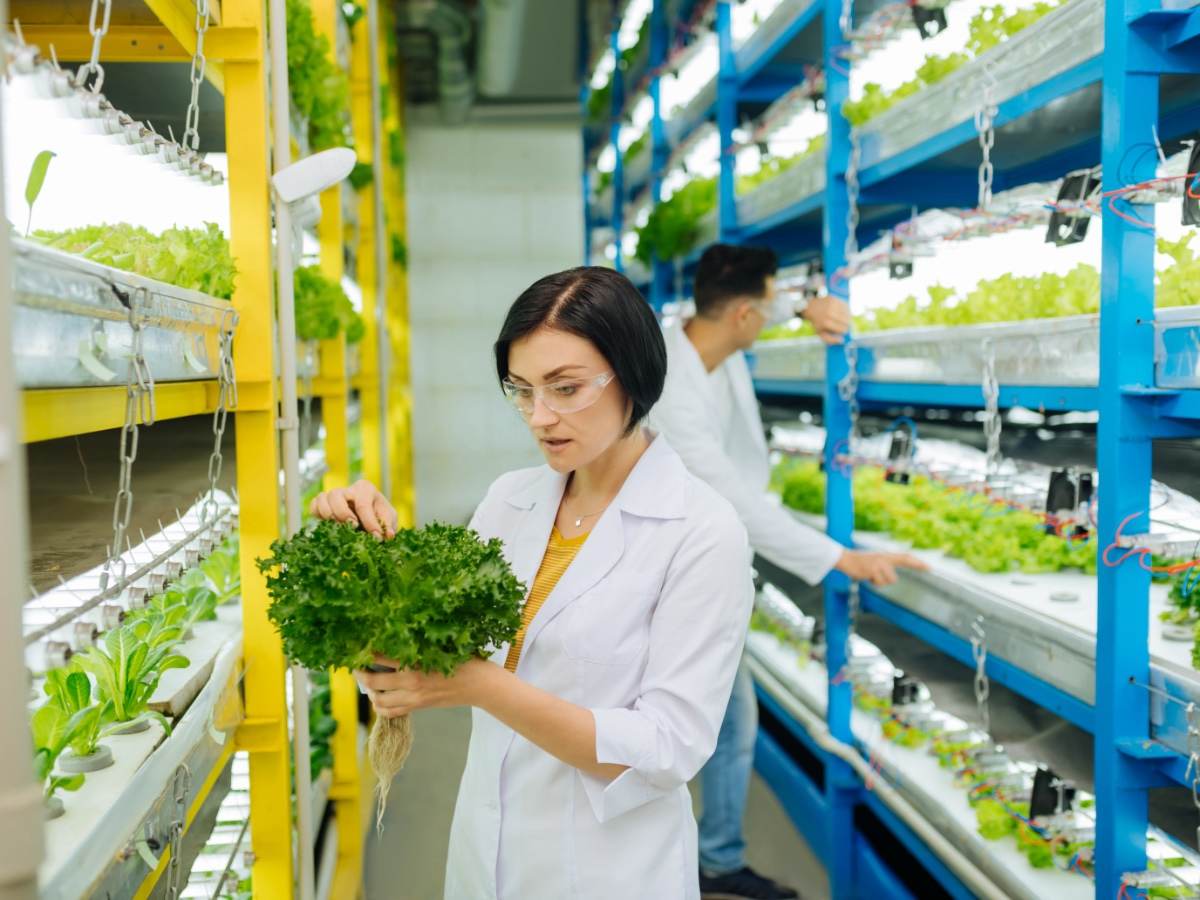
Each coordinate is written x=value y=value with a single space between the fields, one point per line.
x=183 y=328
x=1125 y=73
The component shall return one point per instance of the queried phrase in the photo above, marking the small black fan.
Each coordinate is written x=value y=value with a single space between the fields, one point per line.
x=1045 y=799
x=1191 y=190
x=900 y=454
x=1067 y=229
x=1068 y=490
x=930 y=22
x=905 y=689
x=899 y=267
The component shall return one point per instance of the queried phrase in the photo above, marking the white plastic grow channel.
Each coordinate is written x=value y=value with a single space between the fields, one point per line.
x=915 y=773
x=94 y=843
x=1051 y=352
x=72 y=323
x=804 y=179
x=49 y=619
x=1060 y=41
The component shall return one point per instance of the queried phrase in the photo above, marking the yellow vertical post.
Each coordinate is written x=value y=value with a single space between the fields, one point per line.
x=362 y=117
x=346 y=790
x=264 y=733
x=333 y=389
x=399 y=391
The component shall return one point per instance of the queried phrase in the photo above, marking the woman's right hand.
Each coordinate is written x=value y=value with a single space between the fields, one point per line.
x=360 y=504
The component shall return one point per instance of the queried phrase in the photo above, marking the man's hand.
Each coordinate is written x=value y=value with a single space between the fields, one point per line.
x=877 y=568
x=360 y=504
x=829 y=317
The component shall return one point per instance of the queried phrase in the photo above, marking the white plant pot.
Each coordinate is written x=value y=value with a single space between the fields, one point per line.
x=54 y=808
x=137 y=726
x=1173 y=631
x=100 y=758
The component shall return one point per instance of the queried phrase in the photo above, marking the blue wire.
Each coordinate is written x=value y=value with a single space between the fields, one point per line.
x=1190 y=581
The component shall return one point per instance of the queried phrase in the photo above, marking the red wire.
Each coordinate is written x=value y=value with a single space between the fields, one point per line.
x=1133 y=220
x=874 y=766
x=1146 y=184
x=1141 y=553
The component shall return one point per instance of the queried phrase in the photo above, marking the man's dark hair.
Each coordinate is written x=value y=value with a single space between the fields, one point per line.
x=727 y=272
x=601 y=306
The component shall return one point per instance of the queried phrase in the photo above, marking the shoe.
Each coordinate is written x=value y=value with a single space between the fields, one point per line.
x=744 y=884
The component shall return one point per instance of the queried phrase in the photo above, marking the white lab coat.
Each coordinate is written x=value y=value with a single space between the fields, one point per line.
x=645 y=629
x=730 y=454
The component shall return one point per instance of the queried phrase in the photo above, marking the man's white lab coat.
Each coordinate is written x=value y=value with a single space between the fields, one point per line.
x=713 y=423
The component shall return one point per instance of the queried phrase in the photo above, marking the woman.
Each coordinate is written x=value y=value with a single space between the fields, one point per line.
x=588 y=727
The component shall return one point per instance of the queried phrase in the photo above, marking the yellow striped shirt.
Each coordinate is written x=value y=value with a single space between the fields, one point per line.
x=559 y=554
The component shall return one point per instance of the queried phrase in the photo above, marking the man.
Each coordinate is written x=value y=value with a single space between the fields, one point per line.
x=709 y=414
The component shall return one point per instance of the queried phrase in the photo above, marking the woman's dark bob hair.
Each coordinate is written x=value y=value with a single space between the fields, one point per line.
x=601 y=306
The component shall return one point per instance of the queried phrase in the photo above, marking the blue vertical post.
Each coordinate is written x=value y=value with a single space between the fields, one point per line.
x=660 y=151
x=841 y=783
x=727 y=88
x=614 y=136
x=1123 y=449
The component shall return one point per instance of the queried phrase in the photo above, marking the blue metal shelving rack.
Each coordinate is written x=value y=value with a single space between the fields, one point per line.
x=1122 y=98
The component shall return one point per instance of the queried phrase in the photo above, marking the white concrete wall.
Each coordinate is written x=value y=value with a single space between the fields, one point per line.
x=491 y=208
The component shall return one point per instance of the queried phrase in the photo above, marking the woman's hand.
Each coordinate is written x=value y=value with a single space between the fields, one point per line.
x=406 y=690
x=360 y=504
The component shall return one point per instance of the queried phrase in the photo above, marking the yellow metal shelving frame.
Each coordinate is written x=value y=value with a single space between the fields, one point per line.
x=332 y=385
x=63 y=412
x=264 y=733
x=399 y=404
x=347 y=792
x=236 y=51
x=235 y=46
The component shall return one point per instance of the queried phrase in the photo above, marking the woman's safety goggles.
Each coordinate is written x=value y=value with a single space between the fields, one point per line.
x=563 y=397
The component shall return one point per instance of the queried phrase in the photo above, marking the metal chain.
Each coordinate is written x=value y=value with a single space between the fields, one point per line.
x=182 y=786
x=98 y=28
x=852 y=604
x=992 y=422
x=139 y=410
x=848 y=392
x=985 y=126
x=191 y=131
x=848 y=385
x=982 y=685
x=1192 y=775
x=226 y=400
x=844 y=20
x=852 y=190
